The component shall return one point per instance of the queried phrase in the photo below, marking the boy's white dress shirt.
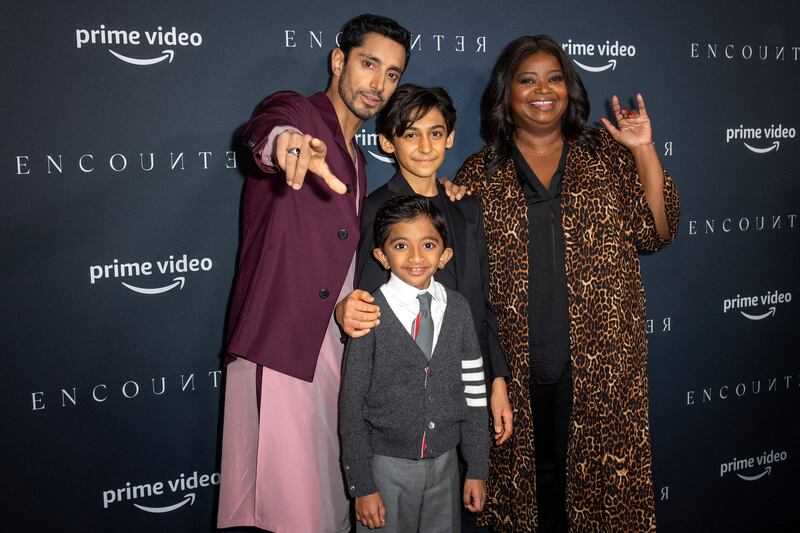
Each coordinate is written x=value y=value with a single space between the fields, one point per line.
x=402 y=298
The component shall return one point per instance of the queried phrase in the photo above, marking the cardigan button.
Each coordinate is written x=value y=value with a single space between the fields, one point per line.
x=343 y=234
x=348 y=187
x=431 y=425
x=324 y=293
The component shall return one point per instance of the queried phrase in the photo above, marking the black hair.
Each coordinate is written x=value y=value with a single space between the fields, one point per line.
x=404 y=209
x=408 y=104
x=355 y=29
x=497 y=121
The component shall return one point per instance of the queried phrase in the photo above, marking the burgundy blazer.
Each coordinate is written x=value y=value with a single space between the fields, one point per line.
x=296 y=245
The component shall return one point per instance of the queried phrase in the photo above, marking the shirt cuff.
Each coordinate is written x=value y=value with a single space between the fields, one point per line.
x=267 y=146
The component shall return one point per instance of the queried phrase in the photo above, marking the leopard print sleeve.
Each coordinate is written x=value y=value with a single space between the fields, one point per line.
x=643 y=226
x=471 y=173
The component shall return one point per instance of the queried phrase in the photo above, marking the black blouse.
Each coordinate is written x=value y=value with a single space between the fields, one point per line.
x=548 y=320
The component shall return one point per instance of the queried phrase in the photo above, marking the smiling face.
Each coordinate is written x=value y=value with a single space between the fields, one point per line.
x=413 y=251
x=539 y=95
x=369 y=74
x=420 y=150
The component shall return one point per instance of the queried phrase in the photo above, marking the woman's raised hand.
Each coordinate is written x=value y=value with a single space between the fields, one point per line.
x=633 y=127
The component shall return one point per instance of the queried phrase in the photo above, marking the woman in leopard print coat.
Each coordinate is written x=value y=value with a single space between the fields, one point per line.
x=615 y=202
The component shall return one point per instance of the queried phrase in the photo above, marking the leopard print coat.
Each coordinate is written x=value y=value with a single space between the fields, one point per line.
x=607 y=223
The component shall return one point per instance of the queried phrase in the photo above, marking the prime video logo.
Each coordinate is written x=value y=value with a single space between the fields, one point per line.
x=130 y=492
x=370 y=141
x=598 y=51
x=771 y=299
x=765 y=461
x=133 y=269
x=771 y=135
x=159 y=37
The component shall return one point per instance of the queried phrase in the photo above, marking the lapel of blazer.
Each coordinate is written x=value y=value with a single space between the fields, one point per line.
x=458 y=227
x=328 y=114
x=398 y=186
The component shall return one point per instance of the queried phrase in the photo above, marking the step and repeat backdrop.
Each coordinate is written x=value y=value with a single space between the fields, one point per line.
x=121 y=175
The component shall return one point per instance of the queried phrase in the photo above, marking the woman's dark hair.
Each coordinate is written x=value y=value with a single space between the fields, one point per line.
x=355 y=29
x=497 y=121
x=404 y=209
x=408 y=104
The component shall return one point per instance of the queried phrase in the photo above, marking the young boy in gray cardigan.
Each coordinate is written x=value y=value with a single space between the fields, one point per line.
x=413 y=388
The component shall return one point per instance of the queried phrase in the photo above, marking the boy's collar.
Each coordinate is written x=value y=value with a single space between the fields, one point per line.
x=408 y=293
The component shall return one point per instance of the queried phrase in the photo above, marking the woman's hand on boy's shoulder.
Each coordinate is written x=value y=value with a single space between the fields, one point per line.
x=356 y=314
x=453 y=191
x=370 y=511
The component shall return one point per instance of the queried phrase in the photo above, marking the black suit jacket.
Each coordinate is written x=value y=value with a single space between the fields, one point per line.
x=468 y=241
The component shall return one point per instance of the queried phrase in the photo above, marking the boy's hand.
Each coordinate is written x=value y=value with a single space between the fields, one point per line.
x=370 y=511
x=453 y=191
x=474 y=494
x=502 y=416
x=356 y=314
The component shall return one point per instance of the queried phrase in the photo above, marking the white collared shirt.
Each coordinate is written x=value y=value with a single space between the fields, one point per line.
x=402 y=298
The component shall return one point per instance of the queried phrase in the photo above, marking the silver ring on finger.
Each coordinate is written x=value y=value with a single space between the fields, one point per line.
x=294 y=151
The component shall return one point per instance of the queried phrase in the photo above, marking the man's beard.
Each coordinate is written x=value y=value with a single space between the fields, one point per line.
x=351 y=99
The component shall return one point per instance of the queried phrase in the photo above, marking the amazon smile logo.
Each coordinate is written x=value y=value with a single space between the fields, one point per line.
x=369 y=141
x=135 y=269
x=756 y=307
x=121 y=39
x=753 y=468
x=172 y=488
x=760 y=140
x=598 y=57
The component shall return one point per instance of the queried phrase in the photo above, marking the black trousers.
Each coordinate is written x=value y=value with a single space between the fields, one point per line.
x=551 y=406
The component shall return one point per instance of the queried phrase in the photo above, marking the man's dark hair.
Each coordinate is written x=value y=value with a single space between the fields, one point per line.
x=355 y=29
x=405 y=209
x=408 y=104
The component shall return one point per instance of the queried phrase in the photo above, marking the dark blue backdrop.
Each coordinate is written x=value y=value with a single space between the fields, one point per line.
x=120 y=203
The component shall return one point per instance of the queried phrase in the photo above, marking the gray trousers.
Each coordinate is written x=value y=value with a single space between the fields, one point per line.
x=420 y=496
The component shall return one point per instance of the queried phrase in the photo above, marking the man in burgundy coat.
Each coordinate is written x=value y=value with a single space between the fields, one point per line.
x=300 y=230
